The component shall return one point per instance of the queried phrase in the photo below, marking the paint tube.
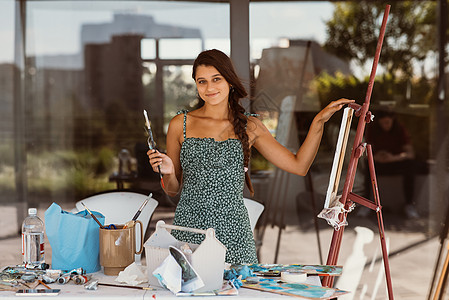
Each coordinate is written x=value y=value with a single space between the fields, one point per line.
x=64 y=278
x=53 y=274
x=48 y=279
x=28 y=277
x=81 y=279
x=41 y=266
x=92 y=285
x=78 y=271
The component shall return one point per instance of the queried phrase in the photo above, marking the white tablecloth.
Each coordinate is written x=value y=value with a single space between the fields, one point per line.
x=73 y=291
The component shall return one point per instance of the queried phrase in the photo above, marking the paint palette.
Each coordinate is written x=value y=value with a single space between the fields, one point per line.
x=300 y=290
x=321 y=270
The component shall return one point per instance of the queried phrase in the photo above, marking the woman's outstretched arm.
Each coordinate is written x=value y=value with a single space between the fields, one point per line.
x=297 y=163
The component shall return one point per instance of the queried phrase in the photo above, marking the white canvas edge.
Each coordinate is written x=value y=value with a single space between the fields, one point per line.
x=330 y=195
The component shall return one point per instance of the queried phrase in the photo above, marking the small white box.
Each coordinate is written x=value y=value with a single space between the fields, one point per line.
x=208 y=258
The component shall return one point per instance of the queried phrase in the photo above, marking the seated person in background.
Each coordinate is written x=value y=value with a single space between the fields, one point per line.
x=393 y=154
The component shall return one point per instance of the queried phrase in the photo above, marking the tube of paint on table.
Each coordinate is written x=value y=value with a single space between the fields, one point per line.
x=64 y=278
x=78 y=271
x=81 y=279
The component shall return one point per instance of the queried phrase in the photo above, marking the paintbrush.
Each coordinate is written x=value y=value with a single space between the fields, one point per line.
x=41 y=282
x=131 y=223
x=93 y=216
x=126 y=286
x=151 y=143
x=141 y=207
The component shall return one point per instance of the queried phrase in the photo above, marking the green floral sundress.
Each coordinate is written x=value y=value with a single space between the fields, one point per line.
x=212 y=195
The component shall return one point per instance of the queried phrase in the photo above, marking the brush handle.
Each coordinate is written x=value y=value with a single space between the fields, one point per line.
x=93 y=216
x=136 y=215
x=141 y=208
x=96 y=220
x=126 y=286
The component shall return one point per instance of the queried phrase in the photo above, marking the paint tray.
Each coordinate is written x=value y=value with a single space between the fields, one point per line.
x=208 y=258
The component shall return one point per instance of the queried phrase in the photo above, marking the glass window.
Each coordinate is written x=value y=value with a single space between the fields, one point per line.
x=285 y=47
x=92 y=68
x=7 y=73
x=180 y=48
x=301 y=62
x=148 y=48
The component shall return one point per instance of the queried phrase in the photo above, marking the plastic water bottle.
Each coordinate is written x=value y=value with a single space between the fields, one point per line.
x=33 y=239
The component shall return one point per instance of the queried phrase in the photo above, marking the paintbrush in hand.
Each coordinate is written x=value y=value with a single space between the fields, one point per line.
x=151 y=143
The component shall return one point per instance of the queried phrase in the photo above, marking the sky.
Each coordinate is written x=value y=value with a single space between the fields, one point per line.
x=52 y=34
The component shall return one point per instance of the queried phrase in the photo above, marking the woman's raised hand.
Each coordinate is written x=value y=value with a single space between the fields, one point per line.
x=326 y=113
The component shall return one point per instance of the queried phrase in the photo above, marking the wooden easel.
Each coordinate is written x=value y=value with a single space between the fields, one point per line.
x=440 y=288
x=358 y=149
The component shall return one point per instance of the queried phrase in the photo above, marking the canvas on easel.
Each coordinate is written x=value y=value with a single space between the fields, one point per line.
x=332 y=206
x=339 y=156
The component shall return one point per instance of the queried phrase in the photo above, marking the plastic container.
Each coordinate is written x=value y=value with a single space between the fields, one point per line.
x=208 y=258
x=33 y=239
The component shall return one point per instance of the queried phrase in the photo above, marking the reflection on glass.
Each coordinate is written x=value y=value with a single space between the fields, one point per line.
x=179 y=90
x=91 y=69
x=148 y=47
x=180 y=48
x=7 y=70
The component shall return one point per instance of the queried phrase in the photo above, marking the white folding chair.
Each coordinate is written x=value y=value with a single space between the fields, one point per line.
x=120 y=207
x=255 y=209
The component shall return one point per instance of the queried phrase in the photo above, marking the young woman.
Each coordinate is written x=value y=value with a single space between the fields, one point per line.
x=208 y=153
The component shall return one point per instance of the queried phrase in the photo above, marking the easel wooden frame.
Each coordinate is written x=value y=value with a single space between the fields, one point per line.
x=443 y=276
x=441 y=286
x=358 y=149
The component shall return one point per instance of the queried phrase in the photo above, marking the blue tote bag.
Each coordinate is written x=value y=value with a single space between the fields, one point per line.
x=74 y=239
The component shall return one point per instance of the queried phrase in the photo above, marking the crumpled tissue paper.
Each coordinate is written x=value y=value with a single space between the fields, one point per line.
x=177 y=274
x=132 y=275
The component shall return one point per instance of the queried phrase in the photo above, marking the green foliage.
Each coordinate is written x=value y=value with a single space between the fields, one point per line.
x=386 y=88
x=104 y=161
x=338 y=86
x=353 y=31
x=6 y=153
x=125 y=125
x=82 y=172
x=258 y=162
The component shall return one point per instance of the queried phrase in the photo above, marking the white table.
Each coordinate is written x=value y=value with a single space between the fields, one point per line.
x=73 y=291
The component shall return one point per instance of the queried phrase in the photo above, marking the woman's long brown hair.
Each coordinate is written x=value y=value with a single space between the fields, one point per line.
x=223 y=64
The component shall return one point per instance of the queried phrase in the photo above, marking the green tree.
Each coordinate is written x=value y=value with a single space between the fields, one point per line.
x=353 y=31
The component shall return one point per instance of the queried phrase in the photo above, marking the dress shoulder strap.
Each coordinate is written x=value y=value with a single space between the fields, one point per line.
x=184 y=111
x=248 y=114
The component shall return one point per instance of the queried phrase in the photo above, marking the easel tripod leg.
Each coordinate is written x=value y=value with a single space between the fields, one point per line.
x=333 y=255
x=380 y=221
x=385 y=255
x=443 y=236
x=439 y=292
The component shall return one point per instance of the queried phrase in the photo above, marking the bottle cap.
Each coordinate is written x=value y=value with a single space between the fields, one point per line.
x=32 y=211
